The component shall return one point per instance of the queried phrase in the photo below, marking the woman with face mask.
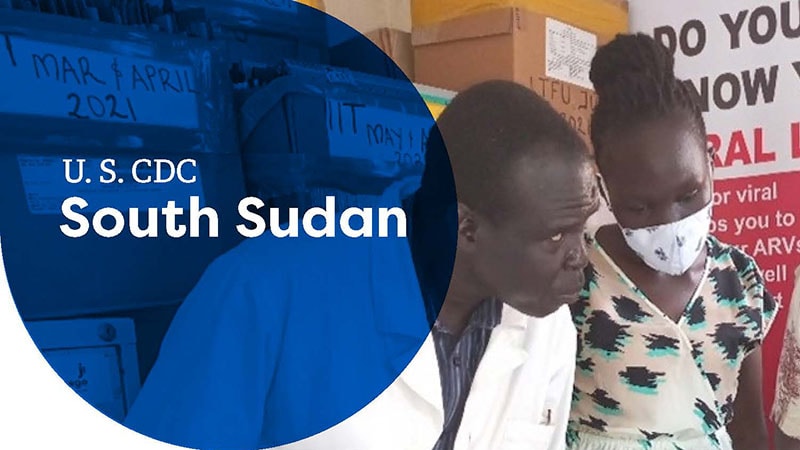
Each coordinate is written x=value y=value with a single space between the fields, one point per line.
x=671 y=320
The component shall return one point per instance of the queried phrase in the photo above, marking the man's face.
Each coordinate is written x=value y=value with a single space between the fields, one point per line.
x=533 y=254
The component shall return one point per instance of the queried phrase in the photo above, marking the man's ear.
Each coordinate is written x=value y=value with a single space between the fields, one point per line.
x=467 y=225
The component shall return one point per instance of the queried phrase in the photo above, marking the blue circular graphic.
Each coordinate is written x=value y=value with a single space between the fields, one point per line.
x=231 y=228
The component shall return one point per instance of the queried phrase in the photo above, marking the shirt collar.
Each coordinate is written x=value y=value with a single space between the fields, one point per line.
x=486 y=316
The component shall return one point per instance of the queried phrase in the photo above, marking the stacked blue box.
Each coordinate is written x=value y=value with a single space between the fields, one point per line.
x=257 y=32
x=79 y=97
x=320 y=128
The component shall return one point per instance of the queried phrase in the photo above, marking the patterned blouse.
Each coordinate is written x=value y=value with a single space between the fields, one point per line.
x=645 y=381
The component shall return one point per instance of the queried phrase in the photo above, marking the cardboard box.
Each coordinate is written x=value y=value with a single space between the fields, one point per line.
x=359 y=55
x=622 y=5
x=548 y=55
x=397 y=45
x=370 y=15
x=600 y=16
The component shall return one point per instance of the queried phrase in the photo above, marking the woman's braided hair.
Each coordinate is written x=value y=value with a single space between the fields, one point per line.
x=634 y=77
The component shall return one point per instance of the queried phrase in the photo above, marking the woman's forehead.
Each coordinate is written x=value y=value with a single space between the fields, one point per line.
x=654 y=148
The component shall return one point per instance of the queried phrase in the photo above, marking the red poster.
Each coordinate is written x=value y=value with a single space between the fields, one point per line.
x=761 y=215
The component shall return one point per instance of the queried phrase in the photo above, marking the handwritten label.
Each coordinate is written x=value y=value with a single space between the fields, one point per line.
x=52 y=80
x=569 y=53
x=356 y=130
x=46 y=187
x=575 y=104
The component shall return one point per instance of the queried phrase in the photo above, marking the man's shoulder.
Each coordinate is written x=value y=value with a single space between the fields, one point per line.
x=270 y=252
x=558 y=321
x=563 y=328
x=553 y=333
x=551 y=343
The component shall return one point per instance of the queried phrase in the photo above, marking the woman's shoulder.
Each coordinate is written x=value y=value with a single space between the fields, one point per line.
x=730 y=258
x=724 y=254
x=737 y=276
x=600 y=275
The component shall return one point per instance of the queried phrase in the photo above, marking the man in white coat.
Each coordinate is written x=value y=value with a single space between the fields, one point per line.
x=254 y=359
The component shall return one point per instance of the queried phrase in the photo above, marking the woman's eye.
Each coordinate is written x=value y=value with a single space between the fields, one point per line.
x=636 y=209
x=557 y=237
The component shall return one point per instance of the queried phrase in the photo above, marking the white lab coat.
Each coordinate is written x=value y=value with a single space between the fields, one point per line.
x=526 y=372
x=528 y=367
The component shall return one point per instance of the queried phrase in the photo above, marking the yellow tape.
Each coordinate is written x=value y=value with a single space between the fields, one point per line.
x=606 y=17
x=435 y=108
x=318 y=4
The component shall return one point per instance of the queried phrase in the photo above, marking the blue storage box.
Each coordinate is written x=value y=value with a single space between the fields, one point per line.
x=315 y=126
x=81 y=90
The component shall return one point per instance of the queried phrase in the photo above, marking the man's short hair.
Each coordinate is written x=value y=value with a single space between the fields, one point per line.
x=487 y=130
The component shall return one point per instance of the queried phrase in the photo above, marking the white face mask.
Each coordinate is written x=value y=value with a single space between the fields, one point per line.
x=674 y=247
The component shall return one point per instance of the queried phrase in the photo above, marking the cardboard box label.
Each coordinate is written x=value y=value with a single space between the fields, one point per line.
x=569 y=52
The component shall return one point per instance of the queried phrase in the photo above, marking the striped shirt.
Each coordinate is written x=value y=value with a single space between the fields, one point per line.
x=458 y=361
